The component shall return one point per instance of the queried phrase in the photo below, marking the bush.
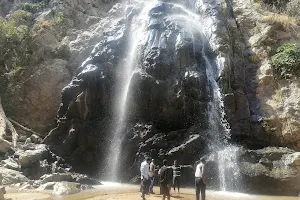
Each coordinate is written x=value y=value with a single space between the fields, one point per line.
x=20 y=17
x=31 y=7
x=14 y=53
x=286 y=61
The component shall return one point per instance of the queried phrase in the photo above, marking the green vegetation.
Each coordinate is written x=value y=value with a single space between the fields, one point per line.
x=286 y=61
x=14 y=36
x=32 y=7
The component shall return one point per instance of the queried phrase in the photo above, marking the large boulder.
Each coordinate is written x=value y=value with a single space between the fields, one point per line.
x=271 y=170
x=65 y=188
x=39 y=97
x=11 y=176
x=29 y=157
x=46 y=186
x=56 y=177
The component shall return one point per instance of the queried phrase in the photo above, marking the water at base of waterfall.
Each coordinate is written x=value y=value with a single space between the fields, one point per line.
x=229 y=171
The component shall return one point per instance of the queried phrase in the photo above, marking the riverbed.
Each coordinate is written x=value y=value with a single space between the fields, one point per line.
x=114 y=191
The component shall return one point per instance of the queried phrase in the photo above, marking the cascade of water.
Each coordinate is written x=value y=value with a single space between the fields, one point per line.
x=137 y=33
x=218 y=126
x=229 y=173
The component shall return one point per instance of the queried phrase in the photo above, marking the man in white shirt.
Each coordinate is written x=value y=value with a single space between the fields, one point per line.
x=200 y=182
x=145 y=176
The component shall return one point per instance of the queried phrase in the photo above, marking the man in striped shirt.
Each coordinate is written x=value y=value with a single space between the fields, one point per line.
x=177 y=174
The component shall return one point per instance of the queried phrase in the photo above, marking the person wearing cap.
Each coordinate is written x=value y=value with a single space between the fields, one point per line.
x=200 y=182
x=145 y=177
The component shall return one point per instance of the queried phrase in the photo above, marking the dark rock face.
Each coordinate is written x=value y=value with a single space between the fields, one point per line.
x=166 y=106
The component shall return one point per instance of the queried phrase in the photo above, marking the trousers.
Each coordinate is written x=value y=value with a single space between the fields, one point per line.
x=200 y=186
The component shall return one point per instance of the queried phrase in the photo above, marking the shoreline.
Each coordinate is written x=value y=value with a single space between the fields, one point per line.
x=130 y=192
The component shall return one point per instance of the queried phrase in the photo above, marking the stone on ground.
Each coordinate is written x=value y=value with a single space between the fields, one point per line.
x=11 y=176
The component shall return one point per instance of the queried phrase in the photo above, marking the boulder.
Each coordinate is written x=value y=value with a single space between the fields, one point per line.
x=56 y=177
x=292 y=159
x=35 y=138
x=46 y=186
x=11 y=176
x=28 y=141
x=26 y=186
x=29 y=157
x=65 y=188
x=10 y=164
x=84 y=179
x=37 y=100
x=4 y=145
x=271 y=171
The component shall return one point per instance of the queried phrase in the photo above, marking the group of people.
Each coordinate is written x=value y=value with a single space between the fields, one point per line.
x=149 y=171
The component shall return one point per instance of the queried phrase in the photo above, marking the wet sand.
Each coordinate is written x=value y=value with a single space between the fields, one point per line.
x=130 y=192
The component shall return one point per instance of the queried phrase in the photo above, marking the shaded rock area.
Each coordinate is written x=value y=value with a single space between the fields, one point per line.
x=272 y=171
x=33 y=166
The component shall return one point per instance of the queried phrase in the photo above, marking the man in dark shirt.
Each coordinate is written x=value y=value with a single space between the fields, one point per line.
x=163 y=180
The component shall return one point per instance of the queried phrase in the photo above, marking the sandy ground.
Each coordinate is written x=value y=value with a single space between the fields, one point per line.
x=130 y=192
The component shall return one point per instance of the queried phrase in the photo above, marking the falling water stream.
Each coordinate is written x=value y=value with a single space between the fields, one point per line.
x=137 y=33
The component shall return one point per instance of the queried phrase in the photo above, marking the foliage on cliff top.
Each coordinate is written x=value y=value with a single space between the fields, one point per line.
x=32 y=7
x=13 y=40
x=286 y=61
x=287 y=9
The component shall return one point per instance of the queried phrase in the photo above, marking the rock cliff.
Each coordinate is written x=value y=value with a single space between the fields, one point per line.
x=78 y=61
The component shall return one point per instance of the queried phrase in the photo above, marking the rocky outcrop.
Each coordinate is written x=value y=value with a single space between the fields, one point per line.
x=56 y=177
x=57 y=49
x=273 y=103
x=270 y=171
x=29 y=157
x=40 y=95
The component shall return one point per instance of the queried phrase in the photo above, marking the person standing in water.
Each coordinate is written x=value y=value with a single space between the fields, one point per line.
x=145 y=177
x=151 y=176
x=200 y=182
x=163 y=180
x=177 y=174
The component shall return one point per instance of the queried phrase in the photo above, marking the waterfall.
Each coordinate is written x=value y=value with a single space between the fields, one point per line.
x=137 y=33
x=145 y=36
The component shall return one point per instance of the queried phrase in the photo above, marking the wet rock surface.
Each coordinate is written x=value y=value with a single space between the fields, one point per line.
x=170 y=81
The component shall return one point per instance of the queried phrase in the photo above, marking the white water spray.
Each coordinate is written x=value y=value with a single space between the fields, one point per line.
x=137 y=34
